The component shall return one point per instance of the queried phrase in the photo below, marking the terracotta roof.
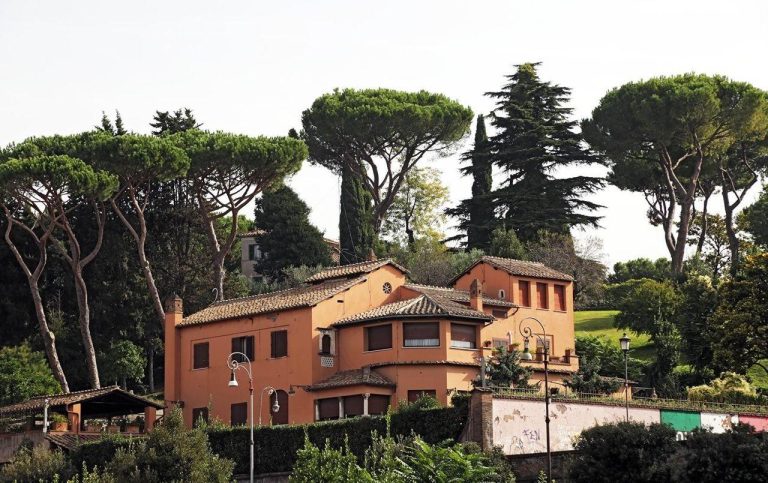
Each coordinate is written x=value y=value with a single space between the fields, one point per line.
x=422 y=306
x=61 y=400
x=520 y=268
x=304 y=296
x=364 y=376
x=70 y=441
x=346 y=271
x=249 y=234
x=457 y=295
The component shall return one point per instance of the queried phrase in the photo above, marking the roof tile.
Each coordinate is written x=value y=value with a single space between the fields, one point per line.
x=456 y=295
x=355 y=269
x=353 y=377
x=521 y=268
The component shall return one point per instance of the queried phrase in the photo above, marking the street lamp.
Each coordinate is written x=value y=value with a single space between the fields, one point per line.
x=527 y=332
x=624 y=341
x=275 y=407
x=235 y=364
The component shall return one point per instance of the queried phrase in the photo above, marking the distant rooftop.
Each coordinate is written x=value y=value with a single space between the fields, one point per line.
x=521 y=268
x=352 y=270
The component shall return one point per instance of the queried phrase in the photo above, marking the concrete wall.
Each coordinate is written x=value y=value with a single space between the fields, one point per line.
x=519 y=428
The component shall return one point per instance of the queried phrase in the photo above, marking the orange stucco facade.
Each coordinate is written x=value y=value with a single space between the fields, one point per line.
x=333 y=351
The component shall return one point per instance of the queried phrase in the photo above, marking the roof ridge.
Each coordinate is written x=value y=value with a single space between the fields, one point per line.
x=434 y=287
x=514 y=260
x=277 y=292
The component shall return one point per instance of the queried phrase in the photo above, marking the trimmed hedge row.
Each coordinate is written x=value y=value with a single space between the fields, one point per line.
x=275 y=447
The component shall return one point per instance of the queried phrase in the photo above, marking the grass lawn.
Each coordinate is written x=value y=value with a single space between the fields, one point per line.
x=600 y=323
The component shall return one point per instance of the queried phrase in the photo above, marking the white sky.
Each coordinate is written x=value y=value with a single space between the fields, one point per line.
x=252 y=67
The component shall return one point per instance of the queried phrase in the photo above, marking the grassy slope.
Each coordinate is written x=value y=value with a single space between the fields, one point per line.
x=600 y=323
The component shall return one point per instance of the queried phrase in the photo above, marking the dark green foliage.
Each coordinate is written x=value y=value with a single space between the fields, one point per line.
x=328 y=464
x=476 y=215
x=505 y=243
x=288 y=238
x=754 y=219
x=37 y=464
x=535 y=137
x=98 y=453
x=503 y=369
x=276 y=446
x=588 y=379
x=658 y=270
x=356 y=235
x=740 y=322
x=643 y=303
x=610 y=356
x=738 y=456
x=123 y=361
x=170 y=123
x=24 y=374
x=623 y=452
x=699 y=301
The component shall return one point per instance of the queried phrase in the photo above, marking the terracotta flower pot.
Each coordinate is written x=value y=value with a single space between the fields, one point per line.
x=59 y=426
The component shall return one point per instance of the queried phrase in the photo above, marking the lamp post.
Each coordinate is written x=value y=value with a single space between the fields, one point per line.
x=527 y=332
x=234 y=365
x=275 y=407
x=624 y=341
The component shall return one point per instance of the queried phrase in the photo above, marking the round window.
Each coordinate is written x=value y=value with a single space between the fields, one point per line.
x=387 y=287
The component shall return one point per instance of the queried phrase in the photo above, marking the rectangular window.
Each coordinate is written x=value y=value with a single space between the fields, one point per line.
x=560 y=298
x=542 y=296
x=238 y=414
x=353 y=406
x=378 y=404
x=245 y=345
x=421 y=334
x=251 y=252
x=524 y=293
x=498 y=343
x=279 y=343
x=417 y=394
x=200 y=355
x=378 y=337
x=327 y=409
x=198 y=415
x=463 y=336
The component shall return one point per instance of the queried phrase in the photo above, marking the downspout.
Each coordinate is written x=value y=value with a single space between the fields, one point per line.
x=45 y=416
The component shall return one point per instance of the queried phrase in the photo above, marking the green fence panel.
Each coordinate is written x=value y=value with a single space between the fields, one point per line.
x=681 y=420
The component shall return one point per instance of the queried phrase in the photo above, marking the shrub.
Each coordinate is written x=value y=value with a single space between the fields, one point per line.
x=328 y=464
x=622 y=452
x=37 y=464
x=728 y=388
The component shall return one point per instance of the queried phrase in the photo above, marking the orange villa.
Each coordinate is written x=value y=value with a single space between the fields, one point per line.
x=356 y=339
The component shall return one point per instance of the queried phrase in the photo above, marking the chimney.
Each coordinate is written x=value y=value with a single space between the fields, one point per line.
x=174 y=313
x=476 y=295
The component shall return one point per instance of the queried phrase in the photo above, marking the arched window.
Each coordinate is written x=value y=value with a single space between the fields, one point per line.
x=325 y=347
x=281 y=416
x=502 y=294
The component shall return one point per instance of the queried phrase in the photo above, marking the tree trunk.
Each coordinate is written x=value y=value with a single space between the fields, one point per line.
x=49 y=340
x=84 y=319
x=151 y=369
x=733 y=239
x=704 y=225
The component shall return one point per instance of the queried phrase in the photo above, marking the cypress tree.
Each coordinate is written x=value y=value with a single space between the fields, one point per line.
x=356 y=236
x=535 y=138
x=288 y=238
x=476 y=217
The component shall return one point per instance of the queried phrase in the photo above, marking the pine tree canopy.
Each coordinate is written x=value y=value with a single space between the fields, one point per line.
x=534 y=141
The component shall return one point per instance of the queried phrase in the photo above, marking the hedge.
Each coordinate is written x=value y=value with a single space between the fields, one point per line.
x=275 y=447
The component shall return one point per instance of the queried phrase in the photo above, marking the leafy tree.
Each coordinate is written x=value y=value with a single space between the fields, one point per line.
x=644 y=303
x=588 y=379
x=534 y=137
x=505 y=243
x=504 y=369
x=660 y=133
x=698 y=304
x=431 y=263
x=712 y=243
x=227 y=172
x=51 y=173
x=729 y=388
x=659 y=270
x=610 y=356
x=123 y=361
x=740 y=322
x=754 y=219
x=24 y=374
x=661 y=373
x=623 y=452
x=381 y=134
x=476 y=214
x=417 y=207
x=288 y=238
x=116 y=129
x=356 y=236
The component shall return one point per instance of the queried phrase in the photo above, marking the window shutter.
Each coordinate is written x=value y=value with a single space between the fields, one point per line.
x=239 y=414
x=200 y=355
x=541 y=291
x=279 y=343
x=524 y=296
x=463 y=336
x=379 y=337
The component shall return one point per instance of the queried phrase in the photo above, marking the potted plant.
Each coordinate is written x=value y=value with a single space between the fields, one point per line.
x=114 y=425
x=132 y=426
x=58 y=422
x=93 y=426
x=514 y=346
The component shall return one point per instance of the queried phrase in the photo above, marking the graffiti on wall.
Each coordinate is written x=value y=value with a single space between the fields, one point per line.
x=519 y=428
